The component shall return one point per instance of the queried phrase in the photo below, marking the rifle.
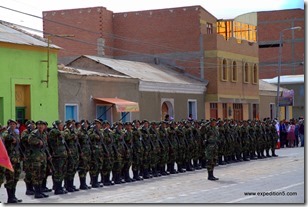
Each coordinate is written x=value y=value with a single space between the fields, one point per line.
x=45 y=149
x=101 y=142
x=17 y=146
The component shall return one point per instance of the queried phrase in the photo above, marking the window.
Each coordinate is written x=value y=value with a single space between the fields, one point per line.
x=125 y=116
x=209 y=28
x=234 y=72
x=192 y=108
x=104 y=112
x=71 y=112
x=224 y=72
x=246 y=73
x=255 y=74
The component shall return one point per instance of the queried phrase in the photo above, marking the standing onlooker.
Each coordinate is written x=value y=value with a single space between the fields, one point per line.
x=291 y=134
x=283 y=133
x=301 y=129
x=296 y=133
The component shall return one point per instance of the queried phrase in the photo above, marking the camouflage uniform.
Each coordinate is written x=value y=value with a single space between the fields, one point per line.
x=274 y=138
x=70 y=136
x=11 y=142
x=26 y=163
x=182 y=149
x=157 y=154
x=128 y=144
x=165 y=144
x=259 y=139
x=253 y=140
x=190 y=150
x=173 y=148
x=38 y=158
x=221 y=144
x=85 y=155
x=108 y=157
x=96 y=163
x=211 y=149
x=59 y=154
x=138 y=152
x=244 y=135
x=148 y=150
x=119 y=149
x=197 y=143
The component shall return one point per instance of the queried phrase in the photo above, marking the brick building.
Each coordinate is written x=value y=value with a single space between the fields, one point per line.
x=182 y=38
x=270 y=24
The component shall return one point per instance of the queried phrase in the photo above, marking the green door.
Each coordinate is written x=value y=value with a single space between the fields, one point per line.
x=20 y=114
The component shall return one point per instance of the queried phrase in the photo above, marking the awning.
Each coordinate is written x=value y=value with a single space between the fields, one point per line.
x=120 y=104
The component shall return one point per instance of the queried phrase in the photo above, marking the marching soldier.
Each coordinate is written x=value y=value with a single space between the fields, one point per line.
x=12 y=145
x=164 y=144
x=59 y=152
x=244 y=136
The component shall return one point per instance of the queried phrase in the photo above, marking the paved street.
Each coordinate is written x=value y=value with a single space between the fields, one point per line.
x=282 y=176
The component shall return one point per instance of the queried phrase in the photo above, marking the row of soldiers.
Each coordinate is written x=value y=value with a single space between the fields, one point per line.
x=150 y=149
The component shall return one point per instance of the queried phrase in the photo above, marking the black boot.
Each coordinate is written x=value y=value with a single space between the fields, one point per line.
x=245 y=157
x=44 y=186
x=59 y=190
x=146 y=174
x=127 y=177
x=37 y=192
x=69 y=186
x=136 y=176
x=107 y=181
x=10 y=197
x=94 y=182
x=267 y=153
x=273 y=153
x=29 y=189
x=83 y=185
x=14 y=196
x=181 y=169
x=117 y=178
x=211 y=176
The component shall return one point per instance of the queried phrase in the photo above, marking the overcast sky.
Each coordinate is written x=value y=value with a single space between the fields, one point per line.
x=221 y=9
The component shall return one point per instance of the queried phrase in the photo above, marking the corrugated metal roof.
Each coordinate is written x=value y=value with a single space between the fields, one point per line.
x=12 y=34
x=71 y=70
x=145 y=71
x=287 y=79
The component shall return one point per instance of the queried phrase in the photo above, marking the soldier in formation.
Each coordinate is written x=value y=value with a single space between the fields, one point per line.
x=148 y=149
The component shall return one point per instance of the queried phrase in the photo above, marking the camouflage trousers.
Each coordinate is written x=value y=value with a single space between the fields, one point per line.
x=136 y=161
x=84 y=164
x=60 y=164
x=12 y=177
x=72 y=166
x=38 y=170
x=107 y=165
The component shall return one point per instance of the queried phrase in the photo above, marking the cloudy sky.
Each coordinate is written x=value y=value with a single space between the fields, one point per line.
x=219 y=8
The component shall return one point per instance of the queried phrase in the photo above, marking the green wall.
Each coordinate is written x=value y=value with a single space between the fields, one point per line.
x=21 y=64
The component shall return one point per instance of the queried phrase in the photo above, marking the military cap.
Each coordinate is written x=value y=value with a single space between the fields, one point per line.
x=29 y=122
x=97 y=121
x=83 y=121
x=69 y=121
x=46 y=123
x=135 y=121
x=145 y=120
x=41 y=122
x=212 y=119
x=10 y=121
x=128 y=123
x=57 y=122
x=119 y=123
